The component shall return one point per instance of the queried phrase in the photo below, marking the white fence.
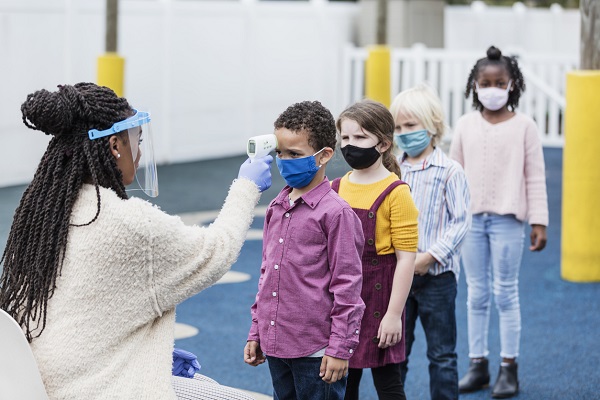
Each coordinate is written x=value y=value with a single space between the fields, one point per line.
x=213 y=72
x=447 y=71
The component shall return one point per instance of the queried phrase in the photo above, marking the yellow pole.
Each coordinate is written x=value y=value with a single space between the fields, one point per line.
x=111 y=70
x=581 y=179
x=377 y=74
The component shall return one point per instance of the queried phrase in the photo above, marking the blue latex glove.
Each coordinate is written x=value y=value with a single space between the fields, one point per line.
x=185 y=364
x=258 y=170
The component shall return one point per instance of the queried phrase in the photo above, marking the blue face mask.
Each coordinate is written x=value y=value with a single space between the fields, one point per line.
x=413 y=143
x=298 y=172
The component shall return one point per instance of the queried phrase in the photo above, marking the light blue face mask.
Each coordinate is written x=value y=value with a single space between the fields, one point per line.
x=298 y=172
x=413 y=143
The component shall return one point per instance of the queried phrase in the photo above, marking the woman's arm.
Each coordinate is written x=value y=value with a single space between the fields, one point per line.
x=183 y=260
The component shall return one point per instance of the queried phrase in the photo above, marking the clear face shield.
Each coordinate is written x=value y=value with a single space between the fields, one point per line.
x=139 y=133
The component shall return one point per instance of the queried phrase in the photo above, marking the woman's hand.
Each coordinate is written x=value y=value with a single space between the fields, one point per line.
x=390 y=330
x=538 y=237
x=333 y=369
x=258 y=171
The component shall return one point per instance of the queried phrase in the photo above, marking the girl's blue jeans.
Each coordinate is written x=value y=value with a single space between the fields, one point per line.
x=491 y=255
x=298 y=379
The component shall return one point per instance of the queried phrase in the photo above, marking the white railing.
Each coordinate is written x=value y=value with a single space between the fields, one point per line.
x=447 y=71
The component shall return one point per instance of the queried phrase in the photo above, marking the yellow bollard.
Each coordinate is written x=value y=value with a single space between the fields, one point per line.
x=111 y=71
x=377 y=75
x=581 y=179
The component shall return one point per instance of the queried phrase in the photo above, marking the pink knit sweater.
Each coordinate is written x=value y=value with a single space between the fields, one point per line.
x=504 y=164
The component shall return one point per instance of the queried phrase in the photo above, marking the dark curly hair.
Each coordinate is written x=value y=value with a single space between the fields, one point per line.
x=35 y=249
x=495 y=57
x=374 y=118
x=313 y=118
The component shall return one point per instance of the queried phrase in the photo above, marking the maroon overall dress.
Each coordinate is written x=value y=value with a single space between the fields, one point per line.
x=378 y=276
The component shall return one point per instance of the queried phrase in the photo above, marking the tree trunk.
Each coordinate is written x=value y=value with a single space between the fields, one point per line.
x=382 y=21
x=112 y=12
x=590 y=34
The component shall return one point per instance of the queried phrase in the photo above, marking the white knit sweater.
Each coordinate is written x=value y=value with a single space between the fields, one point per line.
x=110 y=322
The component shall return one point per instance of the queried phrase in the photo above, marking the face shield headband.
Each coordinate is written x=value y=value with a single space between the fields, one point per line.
x=139 y=132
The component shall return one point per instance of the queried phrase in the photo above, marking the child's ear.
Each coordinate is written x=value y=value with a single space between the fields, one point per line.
x=383 y=146
x=325 y=155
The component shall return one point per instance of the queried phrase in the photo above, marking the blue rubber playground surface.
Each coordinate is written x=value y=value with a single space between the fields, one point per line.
x=561 y=320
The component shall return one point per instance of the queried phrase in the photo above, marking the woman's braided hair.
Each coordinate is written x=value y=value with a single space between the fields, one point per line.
x=38 y=236
x=495 y=57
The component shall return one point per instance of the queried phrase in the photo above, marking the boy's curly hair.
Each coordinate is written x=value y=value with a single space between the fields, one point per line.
x=313 y=118
x=495 y=57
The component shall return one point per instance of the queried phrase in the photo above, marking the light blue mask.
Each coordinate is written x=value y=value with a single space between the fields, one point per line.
x=298 y=172
x=413 y=143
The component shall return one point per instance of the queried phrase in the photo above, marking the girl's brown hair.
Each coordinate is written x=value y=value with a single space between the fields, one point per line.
x=374 y=118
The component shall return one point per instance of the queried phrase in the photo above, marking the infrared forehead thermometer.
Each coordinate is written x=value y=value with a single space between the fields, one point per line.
x=260 y=146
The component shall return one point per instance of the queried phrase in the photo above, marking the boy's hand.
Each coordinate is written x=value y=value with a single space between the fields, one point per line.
x=538 y=237
x=253 y=354
x=333 y=369
x=423 y=262
x=390 y=330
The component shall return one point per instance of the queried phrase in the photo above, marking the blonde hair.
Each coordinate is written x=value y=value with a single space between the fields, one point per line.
x=422 y=103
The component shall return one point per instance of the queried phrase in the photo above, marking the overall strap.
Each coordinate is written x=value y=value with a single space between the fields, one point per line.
x=384 y=194
x=335 y=185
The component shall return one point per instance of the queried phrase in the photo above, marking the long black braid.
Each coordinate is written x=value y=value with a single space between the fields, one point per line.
x=38 y=236
x=495 y=57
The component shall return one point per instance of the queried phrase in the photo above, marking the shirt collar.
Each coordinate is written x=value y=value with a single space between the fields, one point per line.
x=311 y=198
x=436 y=158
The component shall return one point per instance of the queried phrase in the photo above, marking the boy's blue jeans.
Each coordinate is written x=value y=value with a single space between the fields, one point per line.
x=432 y=299
x=298 y=379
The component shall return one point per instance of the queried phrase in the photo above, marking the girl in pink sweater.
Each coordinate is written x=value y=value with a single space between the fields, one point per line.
x=502 y=156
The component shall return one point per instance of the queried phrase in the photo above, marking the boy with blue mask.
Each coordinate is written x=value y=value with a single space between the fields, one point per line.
x=440 y=192
x=307 y=313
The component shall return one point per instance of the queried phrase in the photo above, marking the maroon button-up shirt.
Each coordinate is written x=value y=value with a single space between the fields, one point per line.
x=311 y=277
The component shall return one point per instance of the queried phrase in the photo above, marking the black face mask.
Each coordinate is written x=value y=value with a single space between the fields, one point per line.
x=360 y=157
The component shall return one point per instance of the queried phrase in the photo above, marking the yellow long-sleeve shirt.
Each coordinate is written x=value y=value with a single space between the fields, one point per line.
x=396 y=225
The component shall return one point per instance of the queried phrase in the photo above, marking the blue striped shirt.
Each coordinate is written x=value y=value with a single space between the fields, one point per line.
x=441 y=194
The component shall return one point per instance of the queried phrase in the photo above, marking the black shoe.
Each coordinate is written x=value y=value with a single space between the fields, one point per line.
x=477 y=378
x=507 y=384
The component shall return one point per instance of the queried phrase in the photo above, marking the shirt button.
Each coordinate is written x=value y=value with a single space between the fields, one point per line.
x=375 y=339
x=378 y=286
x=274 y=294
x=287 y=215
x=272 y=322
x=377 y=314
x=276 y=266
x=280 y=240
x=351 y=351
x=356 y=332
x=374 y=261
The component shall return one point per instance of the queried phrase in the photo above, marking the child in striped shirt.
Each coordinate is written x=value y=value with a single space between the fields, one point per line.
x=440 y=191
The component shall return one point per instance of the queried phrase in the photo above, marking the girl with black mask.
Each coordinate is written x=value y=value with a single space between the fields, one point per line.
x=389 y=218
